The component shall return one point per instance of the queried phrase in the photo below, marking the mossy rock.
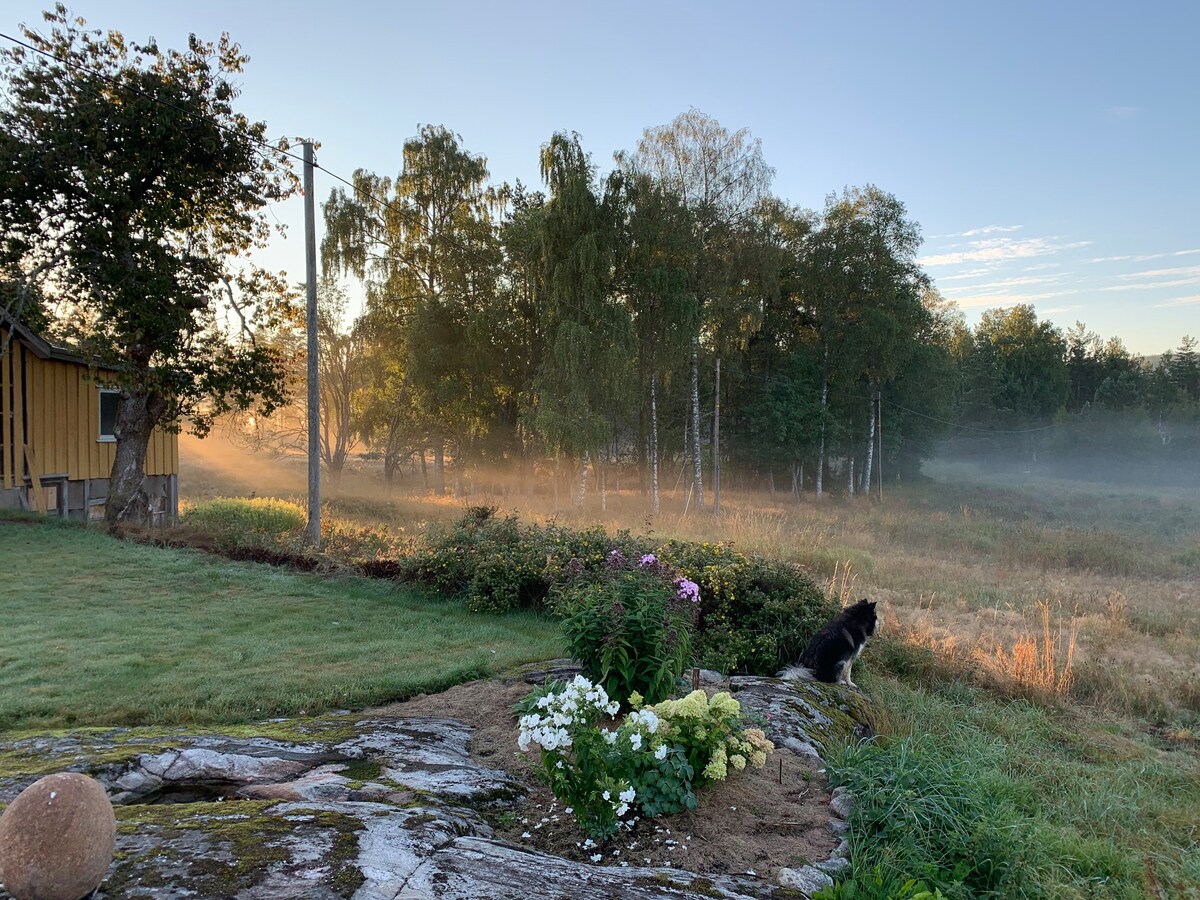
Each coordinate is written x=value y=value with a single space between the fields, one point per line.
x=809 y=717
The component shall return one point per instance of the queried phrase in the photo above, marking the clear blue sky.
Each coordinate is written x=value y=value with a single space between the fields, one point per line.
x=1049 y=150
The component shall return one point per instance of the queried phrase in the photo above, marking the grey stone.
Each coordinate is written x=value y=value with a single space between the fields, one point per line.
x=842 y=805
x=430 y=755
x=833 y=865
x=838 y=825
x=806 y=879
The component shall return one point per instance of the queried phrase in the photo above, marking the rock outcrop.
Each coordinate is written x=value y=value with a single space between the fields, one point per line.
x=374 y=808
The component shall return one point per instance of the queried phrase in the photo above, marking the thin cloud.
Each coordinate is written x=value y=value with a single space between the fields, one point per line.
x=1179 y=301
x=1041 y=266
x=1145 y=257
x=990 y=229
x=973 y=273
x=1001 y=250
x=1059 y=310
x=1155 y=285
x=1159 y=273
x=1122 y=112
x=999 y=300
x=974 y=232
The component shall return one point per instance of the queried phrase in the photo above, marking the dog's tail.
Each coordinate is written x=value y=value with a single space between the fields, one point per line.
x=796 y=673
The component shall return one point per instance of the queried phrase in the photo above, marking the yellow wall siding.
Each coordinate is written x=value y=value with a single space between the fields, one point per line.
x=61 y=422
x=6 y=437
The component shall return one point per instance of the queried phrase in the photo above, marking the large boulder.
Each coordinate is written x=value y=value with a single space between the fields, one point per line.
x=57 y=838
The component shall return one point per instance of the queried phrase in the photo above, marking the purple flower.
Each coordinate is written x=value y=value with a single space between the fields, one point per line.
x=687 y=590
x=648 y=560
x=616 y=559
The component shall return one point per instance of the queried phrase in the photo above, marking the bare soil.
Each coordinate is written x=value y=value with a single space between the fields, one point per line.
x=752 y=823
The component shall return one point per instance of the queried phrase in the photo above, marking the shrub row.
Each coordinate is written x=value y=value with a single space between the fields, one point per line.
x=754 y=615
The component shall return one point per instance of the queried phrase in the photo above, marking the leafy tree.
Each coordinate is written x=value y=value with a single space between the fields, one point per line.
x=583 y=382
x=1084 y=365
x=342 y=375
x=134 y=192
x=1184 y=367
x=429 y=259
x=659 y=249
x=720 y=177
x=1028 y=358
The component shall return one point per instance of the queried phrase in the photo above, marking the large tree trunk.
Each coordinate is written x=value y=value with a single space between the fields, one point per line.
x=137 y=415
x=653 y=442
x=697 y=470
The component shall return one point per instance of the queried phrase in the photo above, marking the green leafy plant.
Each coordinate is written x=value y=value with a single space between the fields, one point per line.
x=756 y=615
x=664 y=784
x=630 y=628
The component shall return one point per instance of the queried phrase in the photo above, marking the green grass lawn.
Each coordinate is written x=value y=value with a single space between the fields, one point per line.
x=100 y=631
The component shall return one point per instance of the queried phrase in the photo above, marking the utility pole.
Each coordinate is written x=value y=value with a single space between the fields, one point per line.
x=312 y=535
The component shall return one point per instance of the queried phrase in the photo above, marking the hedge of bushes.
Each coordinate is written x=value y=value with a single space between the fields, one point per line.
x=755 y=615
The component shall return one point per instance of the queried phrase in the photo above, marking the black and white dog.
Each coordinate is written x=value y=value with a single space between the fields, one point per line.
x=836 y=646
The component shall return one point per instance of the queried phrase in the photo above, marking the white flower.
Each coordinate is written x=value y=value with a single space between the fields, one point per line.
x=596 y=857
x=622 y=809
x=635 y=741
x=570 y=810
x=613 y=708
x=606 y=795
x=628 y=795
x=558 y=765
x=526 y=835
x=610 y=737
x=588 y=844
x=662 y=751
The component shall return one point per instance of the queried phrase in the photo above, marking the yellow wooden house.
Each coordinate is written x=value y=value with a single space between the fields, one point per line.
x=56 y=434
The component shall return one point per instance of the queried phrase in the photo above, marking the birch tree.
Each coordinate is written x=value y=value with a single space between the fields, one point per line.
x=584 y=379
x=720 y=177
x=428 y=259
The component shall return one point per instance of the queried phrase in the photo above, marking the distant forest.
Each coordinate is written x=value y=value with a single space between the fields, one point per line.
x=677 y=320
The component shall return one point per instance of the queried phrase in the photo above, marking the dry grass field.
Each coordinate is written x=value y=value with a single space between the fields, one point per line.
x=1037 y=586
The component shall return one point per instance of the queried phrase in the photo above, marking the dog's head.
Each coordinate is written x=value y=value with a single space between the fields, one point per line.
x=864 y=612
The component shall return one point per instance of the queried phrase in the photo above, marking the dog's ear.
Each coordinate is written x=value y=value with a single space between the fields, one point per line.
x=872 y=604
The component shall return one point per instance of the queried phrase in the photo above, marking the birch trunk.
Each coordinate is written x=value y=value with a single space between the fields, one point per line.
x=850 y=480
x=127 y=503
x=824 y=404
x=581 y=494
x=654 y=443
x=717 y=441
x=867 y=470
x=697 y=471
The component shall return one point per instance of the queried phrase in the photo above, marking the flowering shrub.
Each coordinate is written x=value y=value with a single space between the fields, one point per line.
x=631 y=628
x=756 y=615
x=711 y=734
x=580 y=761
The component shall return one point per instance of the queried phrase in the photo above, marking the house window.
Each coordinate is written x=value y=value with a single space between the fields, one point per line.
x=108 y=414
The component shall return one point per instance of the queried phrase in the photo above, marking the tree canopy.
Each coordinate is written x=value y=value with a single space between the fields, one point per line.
x=131 y=197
